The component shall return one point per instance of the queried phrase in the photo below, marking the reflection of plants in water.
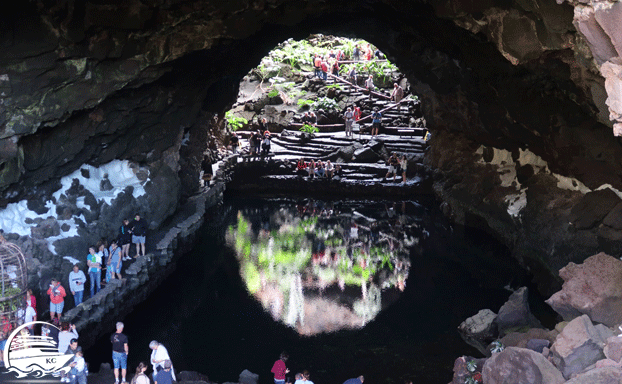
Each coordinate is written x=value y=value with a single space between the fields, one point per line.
x=283 y=256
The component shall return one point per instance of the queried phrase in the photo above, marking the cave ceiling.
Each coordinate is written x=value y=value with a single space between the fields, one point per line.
x=90 y=81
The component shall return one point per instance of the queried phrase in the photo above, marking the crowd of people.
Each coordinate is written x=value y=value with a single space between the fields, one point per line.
x=317 y=169
x=280 y=371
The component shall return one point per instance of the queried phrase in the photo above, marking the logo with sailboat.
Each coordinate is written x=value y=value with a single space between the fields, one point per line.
x=29 y=355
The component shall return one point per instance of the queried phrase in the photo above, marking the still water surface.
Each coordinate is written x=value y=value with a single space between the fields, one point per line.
x=345 y=287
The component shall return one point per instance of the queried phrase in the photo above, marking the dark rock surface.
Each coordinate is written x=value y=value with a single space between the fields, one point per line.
x=515 y=313
x=518 y=365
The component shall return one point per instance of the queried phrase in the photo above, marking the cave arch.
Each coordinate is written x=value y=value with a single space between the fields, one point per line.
x=88 y=82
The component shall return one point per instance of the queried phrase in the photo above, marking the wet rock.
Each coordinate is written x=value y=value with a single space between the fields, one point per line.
x=519 y=365
x=515 y=313
x=365 y=155
x=602 y=375
x=578 y=346
x=479 y=330
x=591 y=288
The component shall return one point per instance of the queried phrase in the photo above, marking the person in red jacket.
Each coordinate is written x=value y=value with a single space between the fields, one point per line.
x=279 y=369
x=57 y=300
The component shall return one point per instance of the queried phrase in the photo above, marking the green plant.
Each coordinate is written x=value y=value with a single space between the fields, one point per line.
x=336 y=86
x=471 y=365
x=305 y=103
x=326 y=104
x=309 y=129
x=235 y=122
x=273 y=93
x=496 y=346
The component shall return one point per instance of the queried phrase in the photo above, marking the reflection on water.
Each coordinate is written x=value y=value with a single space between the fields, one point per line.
x=321 y=267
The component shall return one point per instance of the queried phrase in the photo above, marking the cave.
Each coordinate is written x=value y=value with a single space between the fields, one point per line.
x=522 y=98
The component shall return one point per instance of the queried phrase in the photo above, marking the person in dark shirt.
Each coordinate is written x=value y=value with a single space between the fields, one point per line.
x=164 y=376
x=120 y=350
x=139 y=233
x=124 y=239
x=235 y=142
x=356 y=380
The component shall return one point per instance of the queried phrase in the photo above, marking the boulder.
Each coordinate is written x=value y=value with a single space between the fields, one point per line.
x=248 y=377
x=515 y=313
x=365 y=155
x=192 y=376
x=602 y=375
x=520 y=366
x=538 y=345
x=592 y=208
x=480 y=329
x=461 y=372
x=46 y=228
x=613 y=348
x=591 y=288
x=578 y=346
x=522 y=339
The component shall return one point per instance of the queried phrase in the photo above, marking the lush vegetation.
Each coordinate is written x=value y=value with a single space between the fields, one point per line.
x=309 y=129
x=235 y=122
x=326 y=104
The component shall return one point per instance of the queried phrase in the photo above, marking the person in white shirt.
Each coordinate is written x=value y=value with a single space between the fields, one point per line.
x=27 y=315
x=76 y=284
x=159 y=354
x=66 y=334
x=78 y=369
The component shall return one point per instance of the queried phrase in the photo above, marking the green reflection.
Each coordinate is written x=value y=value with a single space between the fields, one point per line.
x=321 y=270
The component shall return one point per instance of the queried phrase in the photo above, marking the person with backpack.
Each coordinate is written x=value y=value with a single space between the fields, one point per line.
x=376 y=122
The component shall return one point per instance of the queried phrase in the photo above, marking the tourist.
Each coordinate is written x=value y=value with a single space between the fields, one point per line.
x=403 y=165
x=114 y=261
x=32 y=299
x=356 y=53
x=27 y=315
x=139 y=231
x=159 y=355
x=324 y=70
x=312 y=118
x=78 y=369
x=320 y=171
x=379 y=55
x=369 y=84
x=166 y=375
x=357 y=113
x=263 y=125
x=335 y=67
x=235 y=142
x=330 y=169
x=125 y=239
x=2 y=346
x=76 y=284
x=397 y=95
x=356 y=380
x=140 y=377
x=265 y=146
x=299 y=379
x=368 y=52
x=339 y=56
x=73 y=347
x=94 y=262
x=57 y=300
x=317 y=64
x=258 y=137
x=332 y=54
x=301 y=167
x=306 y=376
x=67 y=333
x=352 y=75
x=393 y=164
x=50 y=331
x=337 y=172
x=349 y=117
x=120 y=349
x=376 y=122
x=305 y=118
x=279 y=369
x=311 y=168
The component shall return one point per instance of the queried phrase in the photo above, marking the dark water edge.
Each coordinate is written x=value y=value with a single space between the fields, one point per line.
x=210 y=324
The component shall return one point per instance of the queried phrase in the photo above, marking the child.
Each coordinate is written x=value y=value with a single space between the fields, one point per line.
x=78 y=369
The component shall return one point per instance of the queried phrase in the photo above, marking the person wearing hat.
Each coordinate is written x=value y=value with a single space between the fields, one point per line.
x=139 y=233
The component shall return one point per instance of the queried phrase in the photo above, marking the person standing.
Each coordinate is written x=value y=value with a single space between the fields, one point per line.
x=376 y=122
x=120 y=349
x=31 y=299
x=397 y=95
x=76 y=284
x=67 y=333
x=114 y=261
x=356 y=53
x=159 y=354
x=349 y=117
x=279 y=369
x=94 y=262
x=369 y=84
x=403 y=165
x=57 y=300
x=235 y=142
x=78 y=369
x=324 y=70
x=73 y=347
x=139 y=233
x=125 y=239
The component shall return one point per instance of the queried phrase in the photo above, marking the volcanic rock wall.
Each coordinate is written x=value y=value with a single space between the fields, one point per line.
x=521 y=97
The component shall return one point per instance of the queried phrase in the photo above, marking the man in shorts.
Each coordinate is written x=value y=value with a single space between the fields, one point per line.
x=57 y=300
x=120 y=350
x=139 y=232
x=393 y=166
